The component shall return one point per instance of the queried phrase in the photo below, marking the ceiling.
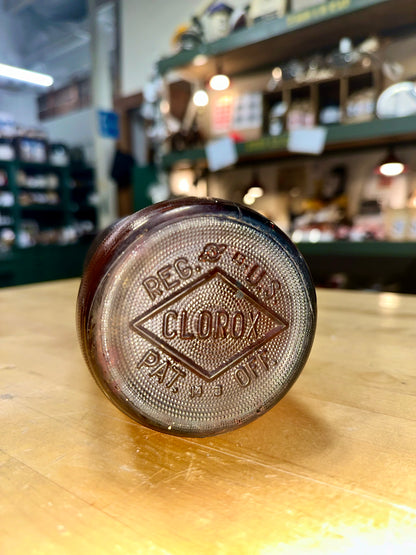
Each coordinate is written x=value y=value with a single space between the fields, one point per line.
x=51 y=36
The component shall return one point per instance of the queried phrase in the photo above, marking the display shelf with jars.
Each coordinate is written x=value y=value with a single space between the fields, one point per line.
x=44 y=234
x=84 y=199
x=355 y=226
x=354 y=93
x=339 y=137
x=253 y=41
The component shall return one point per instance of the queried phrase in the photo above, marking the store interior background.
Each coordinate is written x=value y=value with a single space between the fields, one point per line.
x=102 y=56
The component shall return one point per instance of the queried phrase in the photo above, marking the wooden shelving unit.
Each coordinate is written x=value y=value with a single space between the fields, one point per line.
x=270 y=43
x=340 y=137
x=319 y=27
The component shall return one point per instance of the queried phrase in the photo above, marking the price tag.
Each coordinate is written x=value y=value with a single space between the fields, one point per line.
x=307 y=141
x=221 y=153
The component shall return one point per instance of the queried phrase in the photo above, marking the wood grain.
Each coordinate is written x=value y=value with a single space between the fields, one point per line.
x=332 y=468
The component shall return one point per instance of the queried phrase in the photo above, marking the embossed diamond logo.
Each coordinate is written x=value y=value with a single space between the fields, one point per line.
x=210 y=325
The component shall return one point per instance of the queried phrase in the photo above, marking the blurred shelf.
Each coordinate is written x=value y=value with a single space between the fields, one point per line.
x=267 y=42
x=83 y=186
x=360 y=249
x=83 y=207
x=26 y=189
x=43 y=263
x=340 y=137
x=82 y=171
x=43 y=207
x=6 y=257
x=41 y=166
x=375 y=265
x=44 y=167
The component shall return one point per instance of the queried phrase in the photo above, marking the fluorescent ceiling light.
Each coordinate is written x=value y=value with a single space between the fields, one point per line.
x=19 y=74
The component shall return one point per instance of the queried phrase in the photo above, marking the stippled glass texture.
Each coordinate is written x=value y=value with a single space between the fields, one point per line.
x=202 y=325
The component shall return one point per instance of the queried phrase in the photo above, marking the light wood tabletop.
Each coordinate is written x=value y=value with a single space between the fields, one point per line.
x=330 y=469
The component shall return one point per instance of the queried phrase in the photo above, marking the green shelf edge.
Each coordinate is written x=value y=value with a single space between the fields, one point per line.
x=269 y=29
x=42 y=166
x=373 y=132
x=43 y=208
x=22 y=266
x=7 y=257
x=369 y=249
x=80 y=207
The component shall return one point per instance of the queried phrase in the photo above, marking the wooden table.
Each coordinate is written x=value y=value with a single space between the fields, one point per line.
x=331 y=469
